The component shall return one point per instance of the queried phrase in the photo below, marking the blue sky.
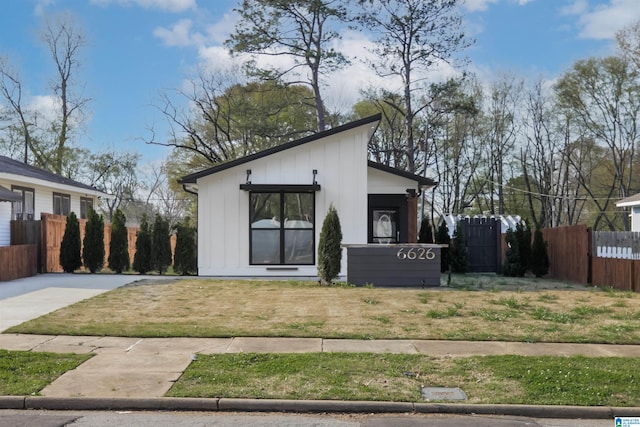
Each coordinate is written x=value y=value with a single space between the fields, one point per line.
x=138 y=48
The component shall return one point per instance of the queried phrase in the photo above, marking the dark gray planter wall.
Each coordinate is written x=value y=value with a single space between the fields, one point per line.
x=393 y=265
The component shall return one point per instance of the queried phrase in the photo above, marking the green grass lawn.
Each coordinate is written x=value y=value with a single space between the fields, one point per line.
x=509 y=379
x=25 y=373
x=472 y=308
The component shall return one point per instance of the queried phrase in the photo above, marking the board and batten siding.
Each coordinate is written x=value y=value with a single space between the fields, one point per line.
x=223 y=217
x=380 y=182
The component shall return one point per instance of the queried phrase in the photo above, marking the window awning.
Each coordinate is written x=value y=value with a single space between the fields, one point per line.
x=9 y=196
x=294 y=188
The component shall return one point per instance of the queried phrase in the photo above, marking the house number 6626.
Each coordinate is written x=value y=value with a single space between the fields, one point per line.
x=416 y=253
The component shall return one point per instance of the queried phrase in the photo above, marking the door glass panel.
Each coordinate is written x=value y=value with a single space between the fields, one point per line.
x=384 y=226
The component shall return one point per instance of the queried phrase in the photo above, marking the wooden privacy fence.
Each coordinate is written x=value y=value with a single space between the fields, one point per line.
x=18 y=261
x=573 y=256
x=53 y=230
x=569 y=252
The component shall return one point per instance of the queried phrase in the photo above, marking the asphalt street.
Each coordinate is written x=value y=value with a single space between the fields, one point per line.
x=10 y=418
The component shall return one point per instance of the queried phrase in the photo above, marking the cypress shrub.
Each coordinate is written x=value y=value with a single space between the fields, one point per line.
x=142 y=257
x=524 y=242
x=513 y=265
x=185 y=260
x=161 y=252
x=119 y=244
x=70 y=248
x=93 y=244
x=458 y=252
x=442 y=237
x=329 y=250
x=426 y=234
x=539 y=255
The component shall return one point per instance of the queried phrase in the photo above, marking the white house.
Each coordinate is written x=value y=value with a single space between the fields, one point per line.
x=632 y=202
x=27 y=191
x=261 y=215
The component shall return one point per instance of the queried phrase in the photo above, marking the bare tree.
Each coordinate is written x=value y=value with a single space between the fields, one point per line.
x=115 y=173
x=628 y=40
x=457 y=135
x=64 y=42
x=412 y=36
x=602 y=96
x=227 y=119
x=49 y=142
x=502 y=111
x=302 y=30
x=19 y=118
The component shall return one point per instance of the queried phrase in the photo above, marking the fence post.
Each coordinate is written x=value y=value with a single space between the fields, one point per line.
x=589 y=256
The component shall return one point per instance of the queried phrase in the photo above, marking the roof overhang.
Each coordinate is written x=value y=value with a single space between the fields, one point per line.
x=423 y=182
x=26 y=180
x=629 y=201
x=7 y=195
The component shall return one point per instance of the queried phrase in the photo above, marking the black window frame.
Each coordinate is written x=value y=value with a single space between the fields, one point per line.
x=65 y=202
x=282 y=228
x=21 y=215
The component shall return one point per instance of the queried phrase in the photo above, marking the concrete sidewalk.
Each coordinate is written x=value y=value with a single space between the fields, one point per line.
x=31 y=297
x=148 y=367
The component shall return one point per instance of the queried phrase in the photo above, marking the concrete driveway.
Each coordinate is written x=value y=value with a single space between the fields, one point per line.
x=26 y=299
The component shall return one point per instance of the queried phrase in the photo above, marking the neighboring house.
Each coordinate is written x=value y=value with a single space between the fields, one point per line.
x=262 y=214
x=32 y=191
x=632 y=202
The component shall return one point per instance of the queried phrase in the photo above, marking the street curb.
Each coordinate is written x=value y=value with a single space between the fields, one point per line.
x=307 y=406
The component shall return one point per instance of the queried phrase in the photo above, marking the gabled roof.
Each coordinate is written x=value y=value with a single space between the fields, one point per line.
x=192 y=178
x=422 y=181
x=9 y=166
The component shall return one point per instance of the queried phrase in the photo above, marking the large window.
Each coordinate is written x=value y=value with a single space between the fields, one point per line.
x=25 y=208
x=61 y=204
x=282 y=228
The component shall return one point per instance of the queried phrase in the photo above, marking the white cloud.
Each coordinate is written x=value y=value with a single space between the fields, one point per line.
x=45 y=106
x=40 y=7
x=177 y=35
x=477 y=5
x=167 y=5
x=578 y=7
x=603 y=21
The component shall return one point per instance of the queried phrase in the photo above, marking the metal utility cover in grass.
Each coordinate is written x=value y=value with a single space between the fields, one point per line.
x=443 y=393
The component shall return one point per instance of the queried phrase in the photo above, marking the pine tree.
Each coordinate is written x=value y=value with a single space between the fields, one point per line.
x=329 y=250
x=142 y=257
x=513 y=265
x=539 y=255
x=161 y=252
x=442 y=238
x=119 y=244
x=458 y=251
x=70 y=248
x=426 y=234
x=185 y=259
x=93 y=243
